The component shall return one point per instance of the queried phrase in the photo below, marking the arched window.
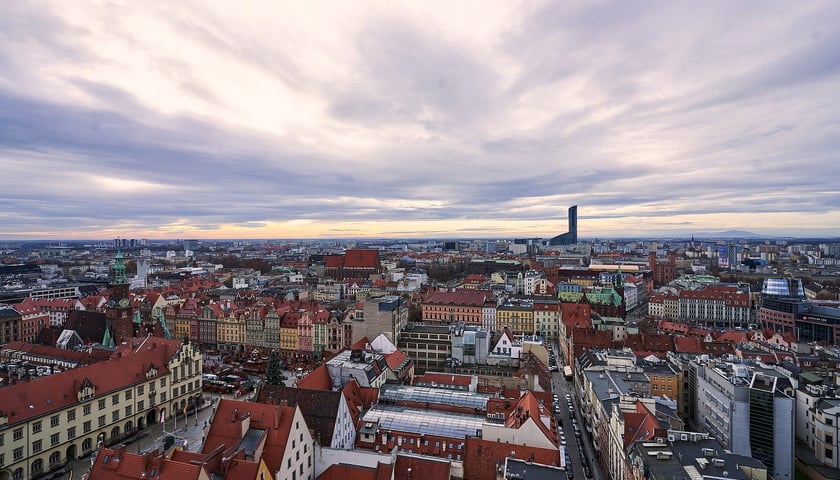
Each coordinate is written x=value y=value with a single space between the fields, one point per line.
x=37 y=466
x=18 y=474
x=115 y=432
x=87 y=444
x=55 y=458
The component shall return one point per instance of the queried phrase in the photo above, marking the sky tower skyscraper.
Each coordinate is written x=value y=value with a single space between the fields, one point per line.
x=570 y=237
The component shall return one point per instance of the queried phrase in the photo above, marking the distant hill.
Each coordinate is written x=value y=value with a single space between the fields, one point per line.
x=731 y=234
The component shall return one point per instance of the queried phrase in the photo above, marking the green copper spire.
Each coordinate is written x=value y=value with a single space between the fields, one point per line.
x=119 y=268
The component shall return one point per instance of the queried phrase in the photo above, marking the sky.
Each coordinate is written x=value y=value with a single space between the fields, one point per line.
x=397 y=119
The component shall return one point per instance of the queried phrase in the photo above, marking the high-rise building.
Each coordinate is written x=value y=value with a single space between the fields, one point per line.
x=771 y=423
x=570 y=237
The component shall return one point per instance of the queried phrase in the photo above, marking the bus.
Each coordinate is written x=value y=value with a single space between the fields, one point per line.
x=567 y=372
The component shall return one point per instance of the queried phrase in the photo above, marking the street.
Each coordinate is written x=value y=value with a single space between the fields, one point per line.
x=190 y=430
x=575 y=446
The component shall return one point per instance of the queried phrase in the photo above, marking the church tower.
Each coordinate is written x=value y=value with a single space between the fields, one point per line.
x=118 y=313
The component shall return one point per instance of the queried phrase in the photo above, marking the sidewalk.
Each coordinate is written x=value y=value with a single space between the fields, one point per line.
x=190 y=431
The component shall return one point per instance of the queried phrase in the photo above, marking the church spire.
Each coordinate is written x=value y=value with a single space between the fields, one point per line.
x=119 y=268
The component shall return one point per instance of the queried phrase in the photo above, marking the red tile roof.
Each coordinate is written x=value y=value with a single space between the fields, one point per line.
x=318 y=379
x=467 y=298
x=43 y=395
x=481 y=457
x=420 y=468
x=361 y=258
x=345 y=472
x=117 y=463
x=227 y=428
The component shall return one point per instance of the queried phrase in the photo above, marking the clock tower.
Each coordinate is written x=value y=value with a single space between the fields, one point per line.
x=119 y=311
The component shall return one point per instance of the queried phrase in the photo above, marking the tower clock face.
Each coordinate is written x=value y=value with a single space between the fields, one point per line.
x=123 y=302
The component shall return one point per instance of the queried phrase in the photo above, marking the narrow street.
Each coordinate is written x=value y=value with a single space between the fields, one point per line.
x=576 y=446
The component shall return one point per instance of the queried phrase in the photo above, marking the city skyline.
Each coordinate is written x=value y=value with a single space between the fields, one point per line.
x=432 y=120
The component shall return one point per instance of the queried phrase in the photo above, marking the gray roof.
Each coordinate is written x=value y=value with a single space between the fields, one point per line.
x=532 y=471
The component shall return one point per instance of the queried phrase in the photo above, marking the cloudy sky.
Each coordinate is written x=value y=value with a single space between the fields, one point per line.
x=417 y=119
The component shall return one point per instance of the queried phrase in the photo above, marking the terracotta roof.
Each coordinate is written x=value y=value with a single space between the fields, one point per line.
x=227 y=428
x=420 y=468
x=468 y=298
x=116 y=464
x=318 y=379
x=395 y=360
x=482 y=456
x=345 y=472
x=361 y=258
x=43 y=395
x=688 y=345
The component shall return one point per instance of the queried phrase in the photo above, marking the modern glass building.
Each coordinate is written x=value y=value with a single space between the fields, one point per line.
x=771 y=424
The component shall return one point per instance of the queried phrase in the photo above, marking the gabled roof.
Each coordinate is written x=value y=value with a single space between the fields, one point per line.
x=688 y=345
x=319 y=407
x=227 y=429
x=43 y=395
x=318 y=379
x=117 y=464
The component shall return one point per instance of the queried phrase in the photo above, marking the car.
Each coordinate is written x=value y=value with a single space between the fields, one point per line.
x=563 y=442
x=577 y=433
x=568 y=397
x=587 y=472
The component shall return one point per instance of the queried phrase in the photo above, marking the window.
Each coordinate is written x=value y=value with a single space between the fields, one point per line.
x=102 y=420
x=162 y=397
x=128 y=411
x=55 y=458
x=87 y=444
x=18 y=434
x=18 y=475
x=115 y=415
x=71 y=415
x=71 y=432
x=139 y=405
x=115 y=399
x=128 y=394
x=829 y=439
x=37 y=466
x=829 y=453
x=162 y=382
x=54 y=420
x=102 y=404
x=36 y=427
x=54 y=439
x=86 y=409
x=2 y=439
x=37 y=446
x=18 y=453
x=140 y=390
x=86 y=426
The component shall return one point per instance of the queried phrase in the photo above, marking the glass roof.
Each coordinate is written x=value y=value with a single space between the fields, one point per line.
x=424 y=422
x=437 y=396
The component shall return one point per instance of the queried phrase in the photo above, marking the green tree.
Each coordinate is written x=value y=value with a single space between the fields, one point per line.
x=274 y=375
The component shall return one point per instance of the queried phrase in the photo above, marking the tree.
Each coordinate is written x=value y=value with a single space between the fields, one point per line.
x=273 y=374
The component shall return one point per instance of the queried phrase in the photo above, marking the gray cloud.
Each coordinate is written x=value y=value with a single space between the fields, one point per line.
x=663 y=111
